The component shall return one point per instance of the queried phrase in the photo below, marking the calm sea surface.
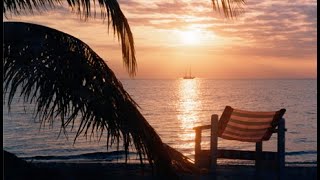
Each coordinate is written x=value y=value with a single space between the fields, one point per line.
x=173 y=108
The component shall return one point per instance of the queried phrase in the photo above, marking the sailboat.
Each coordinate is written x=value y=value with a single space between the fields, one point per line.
x=188 y=76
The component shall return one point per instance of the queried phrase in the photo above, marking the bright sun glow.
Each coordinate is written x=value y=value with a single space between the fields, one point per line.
x=190 y=37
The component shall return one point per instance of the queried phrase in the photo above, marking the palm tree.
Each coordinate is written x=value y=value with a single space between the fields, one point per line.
x=110 y=9
x=67 y=79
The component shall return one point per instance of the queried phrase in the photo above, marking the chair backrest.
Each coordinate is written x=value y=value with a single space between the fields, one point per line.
x=249 y=126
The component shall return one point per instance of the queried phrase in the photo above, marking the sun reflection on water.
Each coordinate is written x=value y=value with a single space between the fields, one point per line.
x=188 y=105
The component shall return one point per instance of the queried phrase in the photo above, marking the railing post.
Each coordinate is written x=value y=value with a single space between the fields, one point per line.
x=214 y=141
x=197 y=147
x=281 y=149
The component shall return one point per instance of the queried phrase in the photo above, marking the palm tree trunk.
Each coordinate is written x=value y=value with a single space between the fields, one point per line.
x=157 y=151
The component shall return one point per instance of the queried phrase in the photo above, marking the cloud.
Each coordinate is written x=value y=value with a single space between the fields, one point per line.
x=277 y=29
x=272 y=28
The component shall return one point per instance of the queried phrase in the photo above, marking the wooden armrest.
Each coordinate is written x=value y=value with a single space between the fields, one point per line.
x=202 y=127
x=215 y=116
x=276 y=130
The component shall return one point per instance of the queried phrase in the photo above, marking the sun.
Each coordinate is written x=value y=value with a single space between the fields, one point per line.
x=190 y=37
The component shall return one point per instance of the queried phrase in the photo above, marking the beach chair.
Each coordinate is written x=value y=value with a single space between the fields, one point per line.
x=246 y=126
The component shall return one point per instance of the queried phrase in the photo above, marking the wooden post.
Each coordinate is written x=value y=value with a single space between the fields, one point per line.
x=281 y=149
x=214 y=141
x=258 y=161
x=197 y=147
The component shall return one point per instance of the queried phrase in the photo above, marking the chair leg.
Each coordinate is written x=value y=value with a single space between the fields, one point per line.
x=214 y=142
x=258 y=160
x=281 y=149
x=197 y=147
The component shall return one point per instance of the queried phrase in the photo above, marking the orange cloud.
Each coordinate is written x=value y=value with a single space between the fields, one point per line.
x=272 y=39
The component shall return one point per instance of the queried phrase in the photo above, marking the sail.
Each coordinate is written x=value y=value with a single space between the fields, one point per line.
x=188 y=76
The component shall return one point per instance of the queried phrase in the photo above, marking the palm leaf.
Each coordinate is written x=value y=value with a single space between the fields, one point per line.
x=67 y=80
x=109 y=9
x=230 y=8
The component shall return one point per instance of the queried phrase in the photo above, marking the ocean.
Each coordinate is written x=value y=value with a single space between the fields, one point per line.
x=173 y=108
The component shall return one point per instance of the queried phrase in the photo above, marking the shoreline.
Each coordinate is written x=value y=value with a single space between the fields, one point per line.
x=137 y=162
x=17 y=168
x=119 y=157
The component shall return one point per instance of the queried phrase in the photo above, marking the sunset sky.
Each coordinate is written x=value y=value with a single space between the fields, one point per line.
x=272 y=39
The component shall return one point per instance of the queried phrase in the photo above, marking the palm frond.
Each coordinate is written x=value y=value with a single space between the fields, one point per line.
x=68 y=81
x=109 y=9
x=230 y=8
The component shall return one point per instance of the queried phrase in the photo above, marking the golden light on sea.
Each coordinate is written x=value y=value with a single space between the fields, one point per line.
x=188 y=104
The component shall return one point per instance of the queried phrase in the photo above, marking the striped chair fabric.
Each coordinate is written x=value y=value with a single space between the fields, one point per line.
x=248 y=126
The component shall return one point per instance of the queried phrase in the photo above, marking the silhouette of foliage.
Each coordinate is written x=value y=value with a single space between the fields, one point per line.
x=109 y=9
x=69 y=82
x=230 y=8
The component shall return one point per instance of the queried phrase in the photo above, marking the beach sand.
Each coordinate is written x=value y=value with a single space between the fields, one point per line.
x=16 y=168
x=119 y=171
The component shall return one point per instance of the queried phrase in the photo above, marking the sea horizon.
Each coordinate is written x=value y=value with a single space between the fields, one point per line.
x=173 y=108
